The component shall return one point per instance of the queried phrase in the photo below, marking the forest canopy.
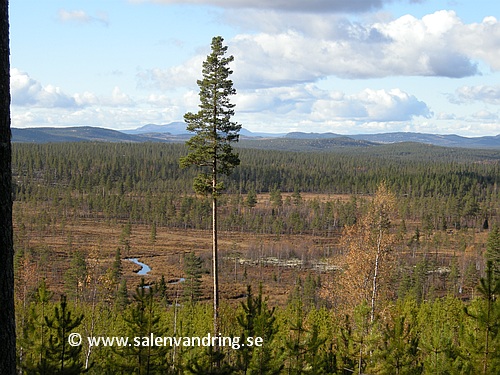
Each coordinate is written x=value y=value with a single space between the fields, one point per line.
x=376 y=260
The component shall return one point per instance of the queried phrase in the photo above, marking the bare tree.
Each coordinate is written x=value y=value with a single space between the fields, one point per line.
x=7 y=322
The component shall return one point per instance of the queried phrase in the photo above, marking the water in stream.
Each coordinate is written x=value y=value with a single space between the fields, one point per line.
x=145 y=268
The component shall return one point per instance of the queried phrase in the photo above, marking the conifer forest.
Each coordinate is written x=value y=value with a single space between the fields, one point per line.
x=153 y=252
x=288 y=244
x=376 y=260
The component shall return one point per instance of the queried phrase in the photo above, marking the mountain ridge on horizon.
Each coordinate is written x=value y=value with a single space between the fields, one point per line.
x=176 y=132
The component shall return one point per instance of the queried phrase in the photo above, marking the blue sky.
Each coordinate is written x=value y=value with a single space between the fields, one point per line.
x=342 y=66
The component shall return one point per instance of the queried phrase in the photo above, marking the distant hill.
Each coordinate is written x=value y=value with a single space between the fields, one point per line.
x=179 y=128
x=174 y=128
x=448 y=140
x=73 y=134
x=302 y=135
x=176 y=132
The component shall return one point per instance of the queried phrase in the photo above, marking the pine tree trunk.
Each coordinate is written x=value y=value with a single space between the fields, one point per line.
x=7 y=322
x=214 y=222
x=215 y=268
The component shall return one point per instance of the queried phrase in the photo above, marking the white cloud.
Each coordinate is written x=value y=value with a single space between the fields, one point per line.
x=482 y=93
x=119 y=99
x=427 y=46
x=35 y=104
x=439 y=44
x=309 y=102
x=299 y=98
x=107 y=117
x=371 y=106
x=86 y=99
x=159 y=101
x=82 y=17
x=478 y=123
x=26 y=91
x=407 y=46
x=485 y=115
x=481 y=40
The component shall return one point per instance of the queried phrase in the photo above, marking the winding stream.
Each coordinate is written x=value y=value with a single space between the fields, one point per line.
x=145 y=268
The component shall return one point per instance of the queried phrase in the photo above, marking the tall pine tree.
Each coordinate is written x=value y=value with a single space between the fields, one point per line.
x=210 y=146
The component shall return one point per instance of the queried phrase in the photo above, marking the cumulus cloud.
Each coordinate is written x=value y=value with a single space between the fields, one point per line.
x=37 y=104
x=319 y=6
x=86 y=99
x=407 y=46
x=118 y=99
x=481 y=40
x=371 y=105
x=439 y=44
x=308 y=102
x=279 y=100
x=82 y=17
x=26 y=91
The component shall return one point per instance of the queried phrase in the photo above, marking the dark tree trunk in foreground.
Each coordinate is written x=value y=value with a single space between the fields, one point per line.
x=7 y=323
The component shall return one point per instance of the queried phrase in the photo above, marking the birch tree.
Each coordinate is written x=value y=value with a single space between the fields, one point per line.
x=369 y=245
